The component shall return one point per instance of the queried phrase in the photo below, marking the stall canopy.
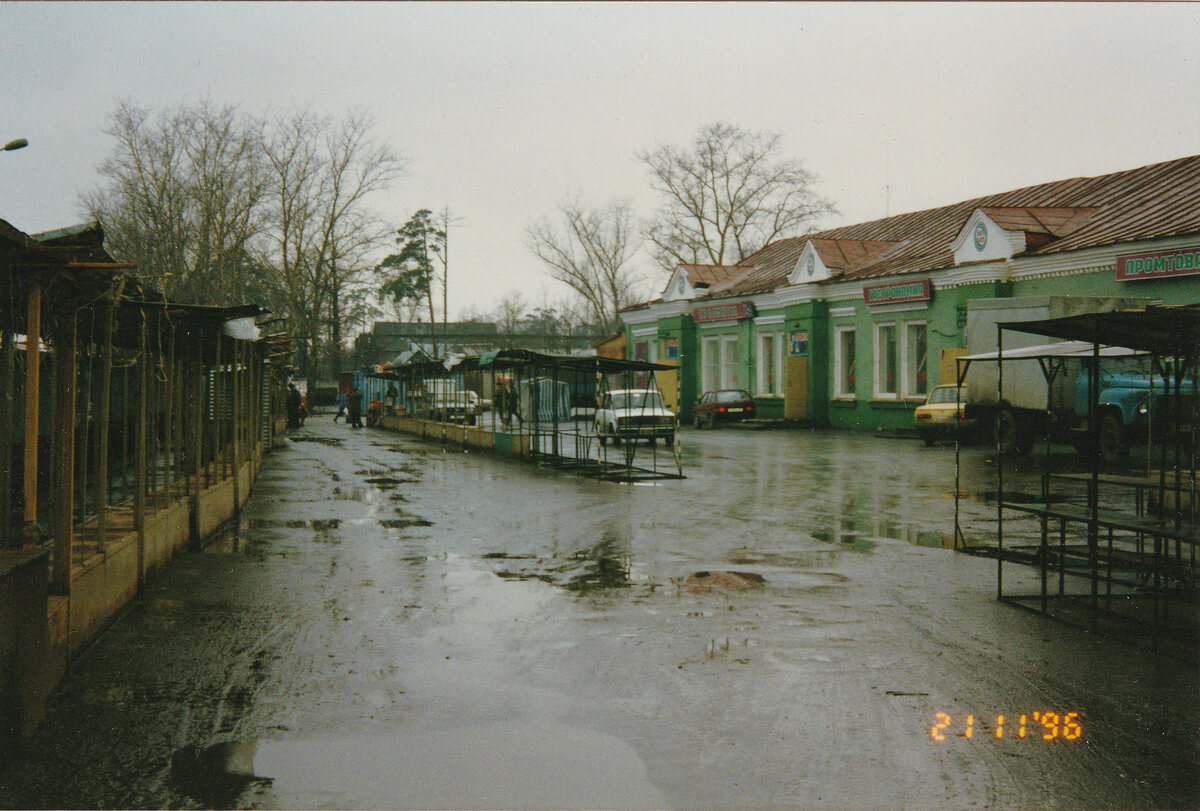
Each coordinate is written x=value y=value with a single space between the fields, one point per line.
x=1157 y=329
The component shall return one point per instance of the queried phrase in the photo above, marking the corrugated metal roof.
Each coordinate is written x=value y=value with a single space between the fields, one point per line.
x=1155 y=201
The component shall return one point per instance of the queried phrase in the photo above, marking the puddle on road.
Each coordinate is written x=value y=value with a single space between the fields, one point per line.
x=523 y=763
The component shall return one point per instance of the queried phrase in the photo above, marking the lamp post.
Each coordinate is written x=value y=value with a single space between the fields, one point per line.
x=19 y=143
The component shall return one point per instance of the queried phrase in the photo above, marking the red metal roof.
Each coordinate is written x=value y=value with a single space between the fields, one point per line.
x=1155 y=201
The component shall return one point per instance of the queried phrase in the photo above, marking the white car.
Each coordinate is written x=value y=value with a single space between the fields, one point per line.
x=634 y=414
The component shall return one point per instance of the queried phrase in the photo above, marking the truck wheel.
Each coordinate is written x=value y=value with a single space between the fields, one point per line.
x=1114 y=450
x=1011 y=437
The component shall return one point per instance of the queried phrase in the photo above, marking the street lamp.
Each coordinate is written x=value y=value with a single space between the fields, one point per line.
x=19 y=143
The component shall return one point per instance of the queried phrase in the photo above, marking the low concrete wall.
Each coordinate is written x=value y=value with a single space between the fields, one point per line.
x=472 y=436
x=215 y=508
x=246 y=475
x=166 y=534
x=101 y=588
x=24 y=682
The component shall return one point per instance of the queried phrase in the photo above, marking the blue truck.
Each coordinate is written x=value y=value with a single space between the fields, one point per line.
x=1045 y=394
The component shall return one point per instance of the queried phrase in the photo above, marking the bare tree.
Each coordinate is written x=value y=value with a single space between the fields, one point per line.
x=588 y=250
x=321 y=173
x=727 y=196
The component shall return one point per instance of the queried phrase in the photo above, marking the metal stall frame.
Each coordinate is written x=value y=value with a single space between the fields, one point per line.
x=1125 y=557
x=526 y=404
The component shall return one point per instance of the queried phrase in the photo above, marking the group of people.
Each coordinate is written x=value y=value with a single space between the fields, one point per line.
x=350 y=407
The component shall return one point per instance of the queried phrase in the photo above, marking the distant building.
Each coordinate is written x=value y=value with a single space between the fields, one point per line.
x=392 y=342
x=852 y=326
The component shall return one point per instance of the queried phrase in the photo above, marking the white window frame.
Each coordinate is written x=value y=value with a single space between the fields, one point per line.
x=880 y=371
x=907 y=378
x=729 y=362
x=840 y=362
x=776 y=340
x=710 y=363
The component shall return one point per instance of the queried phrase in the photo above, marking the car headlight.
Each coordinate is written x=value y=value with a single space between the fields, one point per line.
x=1144 y=407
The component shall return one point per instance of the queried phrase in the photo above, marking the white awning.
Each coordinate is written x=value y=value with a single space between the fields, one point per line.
x=1058 y=349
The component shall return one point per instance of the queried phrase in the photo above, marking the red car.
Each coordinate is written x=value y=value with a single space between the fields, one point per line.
x=724 y=405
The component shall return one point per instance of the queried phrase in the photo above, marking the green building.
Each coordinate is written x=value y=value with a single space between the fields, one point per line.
x=851 y=327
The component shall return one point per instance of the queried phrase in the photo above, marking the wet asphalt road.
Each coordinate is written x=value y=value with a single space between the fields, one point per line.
x=400 y=624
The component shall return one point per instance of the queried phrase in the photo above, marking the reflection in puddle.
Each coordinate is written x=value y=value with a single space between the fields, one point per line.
x=216 y=775
x=319 y=524
x=604 y=565
x=521 y=763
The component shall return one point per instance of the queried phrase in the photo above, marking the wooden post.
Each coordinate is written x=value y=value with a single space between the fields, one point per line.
x=139 y=491
x=7 y=366
x=83 y=450
x=106 y=355
x=197 y=437
x=168 y=461
x=218 y=472
x=235 y=422
x=65 y=354
x=33 y=332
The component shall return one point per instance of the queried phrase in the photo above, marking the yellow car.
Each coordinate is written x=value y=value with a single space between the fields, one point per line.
x=943 y=416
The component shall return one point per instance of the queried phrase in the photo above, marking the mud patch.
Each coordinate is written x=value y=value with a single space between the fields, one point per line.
x=405 y=522
x=323 y=440
x=703 y=582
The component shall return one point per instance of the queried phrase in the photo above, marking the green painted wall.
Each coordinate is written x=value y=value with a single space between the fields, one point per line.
x=945 y=317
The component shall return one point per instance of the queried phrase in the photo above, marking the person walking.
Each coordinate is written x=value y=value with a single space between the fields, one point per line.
x=341 y=406
x=354 y=401
x=293 y=406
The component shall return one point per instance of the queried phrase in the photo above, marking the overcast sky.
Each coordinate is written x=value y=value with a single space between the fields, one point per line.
x=504 y=110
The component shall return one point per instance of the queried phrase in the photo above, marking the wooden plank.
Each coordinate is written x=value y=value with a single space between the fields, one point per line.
x=33 y=332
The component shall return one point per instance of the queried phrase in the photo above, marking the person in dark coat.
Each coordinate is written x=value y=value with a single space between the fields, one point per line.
x=293 y=406
x=354 y=404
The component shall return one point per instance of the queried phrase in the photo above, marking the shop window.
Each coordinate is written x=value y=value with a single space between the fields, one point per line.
x=916 y=357
x=710 y=363
x=729 y=362
x=844 y=361
x=770 y=364
x=886 y=361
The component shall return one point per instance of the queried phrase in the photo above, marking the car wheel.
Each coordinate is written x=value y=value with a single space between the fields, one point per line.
x=697 y=422
x=711 y=422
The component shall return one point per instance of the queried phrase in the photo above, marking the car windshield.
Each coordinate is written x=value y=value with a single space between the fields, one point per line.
x=732 y=396
x=944 y=394
x=637 y=399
